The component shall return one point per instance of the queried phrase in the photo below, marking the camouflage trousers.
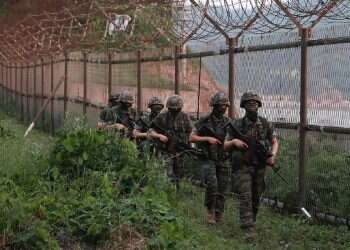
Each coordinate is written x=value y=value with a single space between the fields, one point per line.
x=147 y=148
x=175 y=166
x=216 y=177
x=249 y=184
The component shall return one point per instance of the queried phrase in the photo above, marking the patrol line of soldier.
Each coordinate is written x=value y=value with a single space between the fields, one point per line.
x=224 y=146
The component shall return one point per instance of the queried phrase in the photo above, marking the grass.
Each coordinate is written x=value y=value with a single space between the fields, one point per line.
x=276 y=231
x=17 y=152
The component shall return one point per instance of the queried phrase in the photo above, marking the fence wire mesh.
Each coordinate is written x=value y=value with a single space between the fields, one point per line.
x=273 y=73
x=328 y=173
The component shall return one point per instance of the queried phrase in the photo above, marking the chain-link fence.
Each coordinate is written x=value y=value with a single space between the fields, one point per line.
x=270 y=65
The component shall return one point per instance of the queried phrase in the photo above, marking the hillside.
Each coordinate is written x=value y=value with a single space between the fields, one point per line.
x=77 y=25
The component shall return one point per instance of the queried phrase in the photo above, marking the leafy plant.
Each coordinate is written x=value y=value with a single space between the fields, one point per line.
x=4 y=132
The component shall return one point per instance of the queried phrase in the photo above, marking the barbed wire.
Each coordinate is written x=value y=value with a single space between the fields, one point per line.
x=173 y=22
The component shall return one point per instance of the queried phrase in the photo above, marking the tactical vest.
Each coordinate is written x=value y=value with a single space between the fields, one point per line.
x=178 y=126
x=257 y=130
x=208 y=126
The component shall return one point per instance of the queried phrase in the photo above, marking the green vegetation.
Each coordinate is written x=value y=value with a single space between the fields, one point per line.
x=275 y=231
x=327 y=175
x=3 y=8
x=71 y=192
x=78 y=192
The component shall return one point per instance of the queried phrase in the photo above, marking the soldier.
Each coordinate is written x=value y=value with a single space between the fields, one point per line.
x=144 y=122
x=209 y=133
x=106 y=115
x=171 y=129
x=123 y=119
x=256 y=146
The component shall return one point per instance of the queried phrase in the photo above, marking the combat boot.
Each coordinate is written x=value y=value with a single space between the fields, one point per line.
x=211 y=218
x=249 y=234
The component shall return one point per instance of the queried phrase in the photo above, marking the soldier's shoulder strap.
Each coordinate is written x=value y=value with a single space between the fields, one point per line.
x=264 y=122
x=187 y=120
x=160 y=121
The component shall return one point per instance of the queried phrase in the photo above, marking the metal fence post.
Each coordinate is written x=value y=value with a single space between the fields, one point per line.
x=231 y=76
x=10 y=84
x=6 y=87
x=84 y=82
x=16 y=87
x=2 y=83
x=139 y=89
x=52 y=115
x=42 y=93
x=65 y=86
x=22 y=92
x=27 y=94
x=199 y=86
x=109 y=75
x=303 y=114
x=34 y=90
x=177 y=70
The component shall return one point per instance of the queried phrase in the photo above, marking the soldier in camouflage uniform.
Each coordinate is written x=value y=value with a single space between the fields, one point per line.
x=209 y=133
x=144 y=122
x=123 y=118
x=255 y=146
x=169 y=128
x=106 y=115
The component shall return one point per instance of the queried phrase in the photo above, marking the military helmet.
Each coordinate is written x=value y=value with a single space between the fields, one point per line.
x=154 y=101
x=247 y=96
x=114 y=97
x=219 y=98
x=174 y=102
x=126 y=97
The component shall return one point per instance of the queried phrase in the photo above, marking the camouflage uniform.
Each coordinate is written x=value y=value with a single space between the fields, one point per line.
x=124 y=115
x=143 y=124
x=248 y=174
x=179 y=125
x=106 y=115
x=214 y=163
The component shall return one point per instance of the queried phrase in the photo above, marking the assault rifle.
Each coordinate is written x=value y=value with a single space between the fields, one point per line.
x=175 y=145
x=128 y=123
x=216 y=152
x=255 y=148
x=257 y=152
x=145 y=124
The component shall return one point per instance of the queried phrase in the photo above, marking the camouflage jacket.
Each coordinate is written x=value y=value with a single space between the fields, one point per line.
x=106 y=115
x=143 y=124
x=127 y=118
x=261 y=131
x=180 y=126
x=213 y=127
